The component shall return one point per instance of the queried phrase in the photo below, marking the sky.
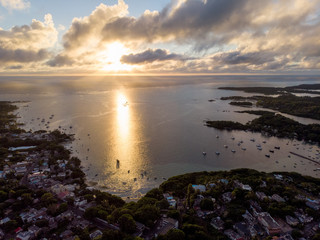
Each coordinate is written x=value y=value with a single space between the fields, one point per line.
x=159 y=37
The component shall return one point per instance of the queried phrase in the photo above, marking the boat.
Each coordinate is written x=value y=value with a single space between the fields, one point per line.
x=233 y=150
x=217 y=136
x=218 y=153
x=258 y=145
x=267 y=155
x=204 y=153
x=252 y=140
x=264 y=142
x=277 y=147
x=226 y=146
x=243 y=148
x=232 y=138
x=259 y=148
x=125 y=104
x=272 y=151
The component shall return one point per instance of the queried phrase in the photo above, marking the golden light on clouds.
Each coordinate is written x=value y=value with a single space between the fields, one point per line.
x=111 y=57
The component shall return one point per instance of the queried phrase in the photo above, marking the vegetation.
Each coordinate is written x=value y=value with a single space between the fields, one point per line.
x=273 y=125
x=244 y=104
x=303 y=88
x=286 y=102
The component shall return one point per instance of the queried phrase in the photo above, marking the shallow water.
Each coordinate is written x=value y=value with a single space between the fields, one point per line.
x=153 y=126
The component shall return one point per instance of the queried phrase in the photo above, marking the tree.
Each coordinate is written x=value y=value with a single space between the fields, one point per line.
x=147 y=214
x=155 y=193
x=3 y=196
x=127 y=224
x=48 y=199
x=206 y=204
x=175 y=234
x=189 y=193
x=27 y=198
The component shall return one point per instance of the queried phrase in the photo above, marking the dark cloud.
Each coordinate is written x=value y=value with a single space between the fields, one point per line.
x=15 y=67
x=150 y=56
x=237 y=57
x=59 y=61
x=193 y=19
x=20 y=55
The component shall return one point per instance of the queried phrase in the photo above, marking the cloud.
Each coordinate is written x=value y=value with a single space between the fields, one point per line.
x=20 y=55
x=15 y=4
x=59 y=61
x=86 y=32
x=151 y=55
x=28 y=43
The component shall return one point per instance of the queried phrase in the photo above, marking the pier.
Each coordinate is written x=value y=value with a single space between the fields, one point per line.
x=296 y=154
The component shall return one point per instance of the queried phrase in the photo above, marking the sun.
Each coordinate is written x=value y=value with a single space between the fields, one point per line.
x=111 y=58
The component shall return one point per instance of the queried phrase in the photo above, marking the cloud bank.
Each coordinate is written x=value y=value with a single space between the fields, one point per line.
x=150 y=56
x=212 y=36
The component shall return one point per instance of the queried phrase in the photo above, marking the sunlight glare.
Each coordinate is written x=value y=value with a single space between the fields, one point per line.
x=111 y=58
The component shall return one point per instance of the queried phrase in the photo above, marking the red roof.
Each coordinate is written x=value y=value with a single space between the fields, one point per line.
x=19 y=229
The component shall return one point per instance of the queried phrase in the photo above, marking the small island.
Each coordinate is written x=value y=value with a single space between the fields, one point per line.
x=286 y=102
x=272 y=124
x=243 y=104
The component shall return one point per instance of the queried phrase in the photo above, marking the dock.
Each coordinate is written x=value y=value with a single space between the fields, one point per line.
x=309 y=159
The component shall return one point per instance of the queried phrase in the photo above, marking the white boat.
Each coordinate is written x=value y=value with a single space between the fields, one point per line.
x=233 y=150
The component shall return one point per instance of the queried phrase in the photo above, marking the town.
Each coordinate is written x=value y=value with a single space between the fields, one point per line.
x=43 y=195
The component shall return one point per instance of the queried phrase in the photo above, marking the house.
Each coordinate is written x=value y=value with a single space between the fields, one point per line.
x=277 y=198
x=224 y=181
x=19 y=229
x=164 y=225
x=140 y=228
x=303 y=218
x=232 y=235
x=201 y=188
x=217 y=223
x=5 y=220
x=227 y=197
x=66 y=234
x=278 y=176
x=242 y=186
x=24 y=236
x=172 y=202
x=58 y=188
x=34 y=230
x=261 y=195
x=268 y=223
x=292 y=221
x=315 y=205
x=248 y=217
x=96 y=234
x=242 y=229
x=1 y=234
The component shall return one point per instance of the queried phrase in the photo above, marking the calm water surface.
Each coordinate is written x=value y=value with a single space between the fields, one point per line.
x=153 y=126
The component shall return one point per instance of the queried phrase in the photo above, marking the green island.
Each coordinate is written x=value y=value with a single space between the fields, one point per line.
x=244 y=104
x=43 y=194
x=302 y=88
x=286 y=102
x=272 y=124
